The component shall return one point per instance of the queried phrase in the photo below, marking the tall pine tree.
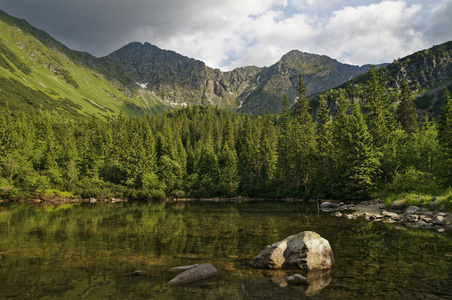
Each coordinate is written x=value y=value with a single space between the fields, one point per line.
x=377 y=107
x=445 y=138
x=324 y=148
x=285 y=150
x=361 y=162
x=406 y=111
x=304 y=139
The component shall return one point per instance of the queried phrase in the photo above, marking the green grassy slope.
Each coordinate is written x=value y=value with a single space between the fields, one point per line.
x=38 y=73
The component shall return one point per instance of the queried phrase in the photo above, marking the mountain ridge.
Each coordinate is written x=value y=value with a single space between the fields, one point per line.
x=38 y=72
x=252 y=90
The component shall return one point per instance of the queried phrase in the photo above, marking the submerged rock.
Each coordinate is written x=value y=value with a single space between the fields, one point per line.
x=296 y=279
x=306 y=250
x=138 y=273
x=195 y=274
x=183 y=268
x=337 y=214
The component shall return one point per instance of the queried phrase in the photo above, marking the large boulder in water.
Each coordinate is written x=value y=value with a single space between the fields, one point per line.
x=195 y=274
x=306 y=250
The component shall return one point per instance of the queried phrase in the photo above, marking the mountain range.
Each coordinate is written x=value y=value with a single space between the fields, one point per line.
x=38 y=73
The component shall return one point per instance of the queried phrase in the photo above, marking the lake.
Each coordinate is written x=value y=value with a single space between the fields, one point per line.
x=74 y=251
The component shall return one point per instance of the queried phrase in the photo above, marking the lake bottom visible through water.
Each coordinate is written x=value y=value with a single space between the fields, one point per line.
x=74 y=251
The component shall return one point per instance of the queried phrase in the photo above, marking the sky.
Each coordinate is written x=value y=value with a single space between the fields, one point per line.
x=233 y=33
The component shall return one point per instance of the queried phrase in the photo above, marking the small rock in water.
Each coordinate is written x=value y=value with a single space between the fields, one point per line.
x=393 y=216
x=350 y=217
x=411 y=210
x=423 y=225
x=139 y=273
x=337 y=214
x=376 y=217
x=389 y=221
x=412 y=218
x=438 y=221
x=441 y=214
x=296 y=279
x=426 y=219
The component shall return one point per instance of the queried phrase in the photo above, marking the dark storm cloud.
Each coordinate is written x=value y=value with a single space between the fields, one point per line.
x=102 y=26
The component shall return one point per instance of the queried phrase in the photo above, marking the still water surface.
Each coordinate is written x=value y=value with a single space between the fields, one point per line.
x=89 y=252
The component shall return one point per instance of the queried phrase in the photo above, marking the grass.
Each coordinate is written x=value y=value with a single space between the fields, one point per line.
x=36 y=77
x=422 y=200
x=57 y=193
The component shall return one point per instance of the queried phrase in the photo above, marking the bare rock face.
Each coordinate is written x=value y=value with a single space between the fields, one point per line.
x=195 y=274
x=306 y=250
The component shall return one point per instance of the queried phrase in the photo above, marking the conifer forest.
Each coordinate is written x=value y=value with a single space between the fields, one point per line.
x=355 y=146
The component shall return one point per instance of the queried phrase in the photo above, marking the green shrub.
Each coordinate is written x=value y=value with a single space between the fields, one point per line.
x=16 y=195
x=157 y=194
x=179 y=194
x=414 y=181
x=58 y=193
x=4 y=183
x=414 y=199
x=91 y=192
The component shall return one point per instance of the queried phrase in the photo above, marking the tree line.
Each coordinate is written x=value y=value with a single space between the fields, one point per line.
x=366 y=147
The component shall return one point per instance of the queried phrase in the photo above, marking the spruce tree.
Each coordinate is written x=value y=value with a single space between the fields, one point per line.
x=267 y=155
x=339 y=146
x=49 y=154
x=427 y=145
x=445 y=138
x=377 y=107
x=324 y=148
x=285 y=164
x=247 y=157
x=304 y=139
x=228 y=163
x=406 y=111
x=445 y=124
x=208 y=169
x=361 y=162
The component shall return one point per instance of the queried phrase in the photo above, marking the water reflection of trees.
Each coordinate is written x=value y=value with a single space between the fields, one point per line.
x=59 y=247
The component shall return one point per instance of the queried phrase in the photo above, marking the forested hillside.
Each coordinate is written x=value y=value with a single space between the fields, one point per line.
x=200 y=151
x=428 y=73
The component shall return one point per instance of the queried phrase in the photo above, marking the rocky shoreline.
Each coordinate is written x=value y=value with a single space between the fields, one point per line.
x=372 y=210
x=397 y=214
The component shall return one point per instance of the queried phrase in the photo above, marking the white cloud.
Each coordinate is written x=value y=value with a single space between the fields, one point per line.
x=234 y=33
x=373 y=33
x=439 y=22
